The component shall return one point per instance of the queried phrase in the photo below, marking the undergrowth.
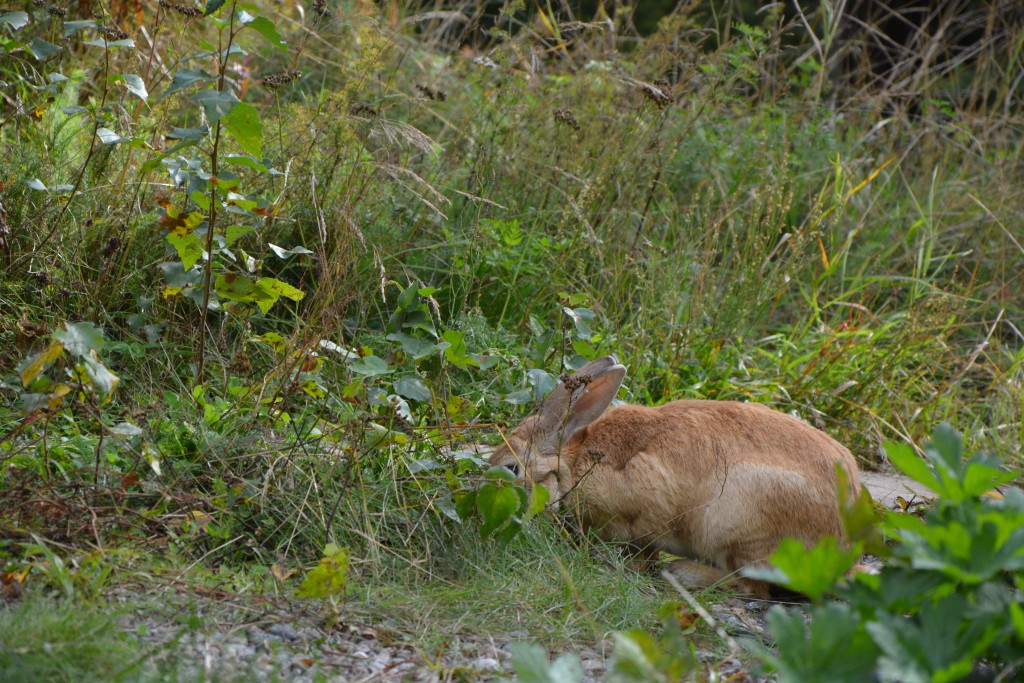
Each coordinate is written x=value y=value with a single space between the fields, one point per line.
x=271 y=271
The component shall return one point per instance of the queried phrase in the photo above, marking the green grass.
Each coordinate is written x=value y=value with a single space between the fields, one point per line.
x=61 y=641
x=770 y=232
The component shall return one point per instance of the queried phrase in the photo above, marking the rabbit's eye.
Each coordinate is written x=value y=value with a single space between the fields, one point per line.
x=514 y=469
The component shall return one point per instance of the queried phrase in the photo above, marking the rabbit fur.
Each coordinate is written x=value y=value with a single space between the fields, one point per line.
x=718 y=481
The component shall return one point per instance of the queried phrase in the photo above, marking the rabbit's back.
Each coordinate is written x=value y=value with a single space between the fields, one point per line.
x=719 y=480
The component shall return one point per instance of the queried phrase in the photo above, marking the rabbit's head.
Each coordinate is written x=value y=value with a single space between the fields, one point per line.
x=542 y=449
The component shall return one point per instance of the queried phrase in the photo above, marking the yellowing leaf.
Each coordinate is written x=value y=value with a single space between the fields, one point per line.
x=39 y=363
x=170 y=292
x=329 y=577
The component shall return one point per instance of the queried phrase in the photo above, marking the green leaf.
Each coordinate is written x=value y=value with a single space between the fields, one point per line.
x=189 y=248
x=216 y=103
x=539 y=496
x=186 y=78
x=104 y=381
x=212 y=6
x=273 y=289
x=15 y=20
x=906 y=461
x=413 y=347
x=79 y=339
x=499 y=473
x=193 y=134
x=370 y=366
x=41 y=49
x=812 y=572
x=235 y=287
x=329 y=577
x=466 y=505
x=456 y=351
x=36 y=184
x=266 y=28
x=413 y=386
x=136 y=86
x=530 y=662
x=233 y=233
x=73 y=27
x=243 y=124
x=109 y=137
x=496 y=505
x=832 y=646
x=102 y=42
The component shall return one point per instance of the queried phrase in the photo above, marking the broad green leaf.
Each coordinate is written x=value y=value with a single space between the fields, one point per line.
x=542 y=382
x=106 y=45
x=80 y=338
x=413 y=387
x=413 y=347
x=216 y=103
x=243 y=124
x=189 y=248
x=266 y=28
x=233 y=233
x=499 y=473
x=194 y=134
x=456 y=351
x=329 y=577
x=812 y=572
x=36 y=184
x=212 y=6
x=39 y=363
x=73 y=27
x=104 y=381
x=466 y=505
x=530 y=662
x=136 y=86
x=41 y=49
x=539 y=496
x=496 y=504
x=281 y=252
x=907 y=461
x=186 y=78
x=370 y=366
x=109 y=137
x=832 y=646
x=235 y=287
x=15 y=20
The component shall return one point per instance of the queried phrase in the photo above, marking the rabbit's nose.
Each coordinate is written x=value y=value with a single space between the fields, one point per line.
x=514 y=469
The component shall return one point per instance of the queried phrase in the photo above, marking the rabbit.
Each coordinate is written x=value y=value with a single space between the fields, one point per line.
x=721 y=482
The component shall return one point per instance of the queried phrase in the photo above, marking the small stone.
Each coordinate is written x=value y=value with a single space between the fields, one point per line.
x=282 y=630
x=486 y=664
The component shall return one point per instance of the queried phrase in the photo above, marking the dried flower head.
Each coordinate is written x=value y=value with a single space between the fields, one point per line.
x=114 y=33
x=320 y=8
x=184 y=8
x=565 y=116
x=362 y=109
x=659 y=92
x=57 y=11
x=275 y=81
x=431 y=93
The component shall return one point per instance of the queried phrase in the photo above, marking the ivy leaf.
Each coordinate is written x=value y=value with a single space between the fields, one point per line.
x=216 y=103
x=242 y=122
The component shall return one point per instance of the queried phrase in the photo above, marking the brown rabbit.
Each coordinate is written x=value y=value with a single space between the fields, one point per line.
x=718 y=481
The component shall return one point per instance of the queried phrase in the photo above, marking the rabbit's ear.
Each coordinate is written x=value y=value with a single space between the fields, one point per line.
x=593 y=399
x=589 y=393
